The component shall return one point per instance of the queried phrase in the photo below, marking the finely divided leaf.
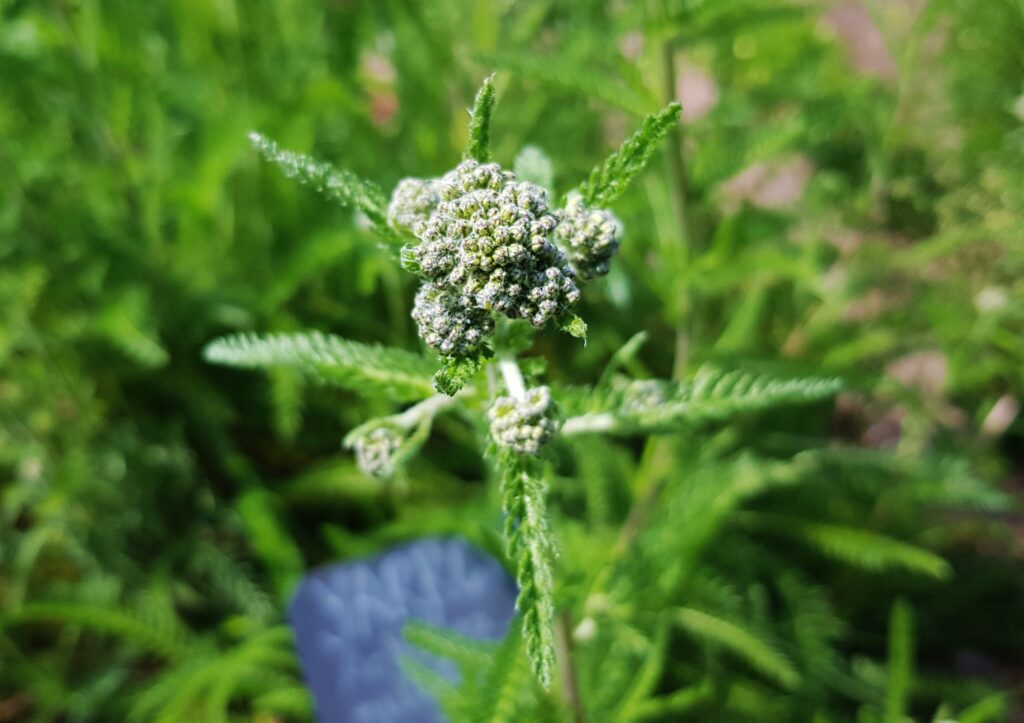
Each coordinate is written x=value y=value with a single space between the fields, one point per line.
x=588 y=81
x=162 y=635
x=469 y=653
x=650 y=406
x=528 y=545
x=743 y=642
x=608 y=181
x=367 y=368
x=480 y=122
x=455 y=373
x=337 y=184
x=574 y=326
x=716 y=395
x=865 y=549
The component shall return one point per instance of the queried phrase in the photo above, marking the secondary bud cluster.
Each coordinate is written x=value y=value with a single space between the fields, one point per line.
x=486 y=246
x=524 y=425
x=588 y=236
x=412 y=203
x=643 y=394
x=375 y=451
x=448 y=323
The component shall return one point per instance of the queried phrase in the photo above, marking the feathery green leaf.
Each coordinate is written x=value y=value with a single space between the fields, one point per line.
x=609 y=180
x=465 y=651
x=367 y=368
x=337 y=184
x=586 y=81
x=163 y=635
x=651 y=406
x=741 y=641
x=528 y=545
x=269 y=537
x=480 y=123
x=855 y=546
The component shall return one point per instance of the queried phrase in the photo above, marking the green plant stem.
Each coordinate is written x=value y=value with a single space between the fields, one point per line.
x=570 y=681
x=676 y=161
x=681 y=202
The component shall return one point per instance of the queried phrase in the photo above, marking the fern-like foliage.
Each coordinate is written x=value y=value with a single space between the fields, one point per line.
x=494 y=685
x=205 y=686
x=855 y=546
x=337 y=184
x=478 y=147
x=529 y=547
x=609 y=180
x=466 y=652
x=260 y=513
x=370 y=369
x=139 y=627
x=648 y=673
x=560 y=73
x=711 y=396
x=739 y=640
x=200 y=680
x=505 y=686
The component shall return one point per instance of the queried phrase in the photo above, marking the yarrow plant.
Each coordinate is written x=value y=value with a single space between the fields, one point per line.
x=499 y=260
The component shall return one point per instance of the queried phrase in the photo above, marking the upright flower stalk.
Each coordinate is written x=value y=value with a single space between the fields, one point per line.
x=497 y=260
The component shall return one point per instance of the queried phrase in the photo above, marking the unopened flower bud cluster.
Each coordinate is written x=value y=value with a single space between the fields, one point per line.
x=375 y=451
x=643 y=394
x=412 y=203
x=524 y=425
x=490 y=240
x=489 y=243
x=588 y=236
x=448 y=322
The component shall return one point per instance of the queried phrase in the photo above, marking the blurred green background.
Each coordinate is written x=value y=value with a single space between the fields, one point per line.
x=845 y=197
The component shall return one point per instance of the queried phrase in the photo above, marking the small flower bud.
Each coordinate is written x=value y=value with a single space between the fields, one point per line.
x=588 y=237
x=643 y=394
x=585 y=631
x=375 y=451
x=448 y=323
x=524 y=425
x=412 y=203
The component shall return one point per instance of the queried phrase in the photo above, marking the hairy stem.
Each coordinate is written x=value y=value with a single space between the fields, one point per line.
x=681 y=198
x=429 y=407
x=589 y=424
x=513 y=377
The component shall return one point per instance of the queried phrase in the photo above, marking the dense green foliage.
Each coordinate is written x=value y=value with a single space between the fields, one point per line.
x=775 y=552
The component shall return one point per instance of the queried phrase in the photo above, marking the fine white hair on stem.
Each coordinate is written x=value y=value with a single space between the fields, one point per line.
x=513 y=378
